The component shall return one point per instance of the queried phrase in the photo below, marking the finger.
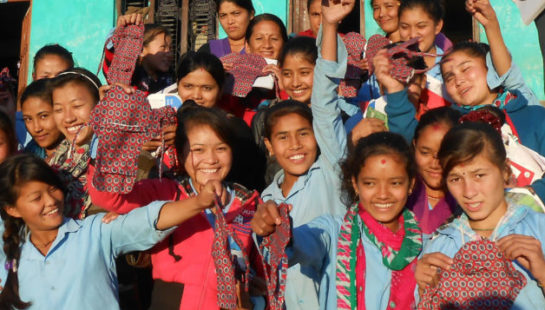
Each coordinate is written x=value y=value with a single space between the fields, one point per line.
x=139 y=19
x=438 y=260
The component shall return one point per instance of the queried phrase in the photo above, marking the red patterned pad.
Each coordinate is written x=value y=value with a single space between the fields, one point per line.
x=127 y=42
x=481 y=278
x=122 y=123
x=355 y=46
x=246 y=69
x=401 y=55
x=276 y=269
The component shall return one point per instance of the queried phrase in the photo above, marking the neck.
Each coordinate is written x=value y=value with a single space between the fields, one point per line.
x=394 y=36
x=430 y=60
x=236 y=44
x=49 y=151
x=485 y=227
x=434 y=195
x=287 y=184
x=43 y=240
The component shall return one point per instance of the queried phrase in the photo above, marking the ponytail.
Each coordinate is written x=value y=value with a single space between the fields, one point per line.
x=13 y=238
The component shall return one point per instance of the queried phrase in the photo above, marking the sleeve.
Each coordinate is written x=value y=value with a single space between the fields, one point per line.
x=512 y=80
x=143 y=192
x=401 y=114
x=136 y=230
x=314 y=242
x=327 y=124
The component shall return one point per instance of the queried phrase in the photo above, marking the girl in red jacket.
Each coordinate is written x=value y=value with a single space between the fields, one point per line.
x=204 y=143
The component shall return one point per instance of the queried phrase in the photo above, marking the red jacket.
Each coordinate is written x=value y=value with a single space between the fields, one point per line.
x=192 y=240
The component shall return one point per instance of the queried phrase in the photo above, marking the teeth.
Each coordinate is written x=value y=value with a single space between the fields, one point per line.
x=383 y=205
x=209 y=170
x=74 y=129
x=299 y=91
x=52 y=211
x=473 y=205
x=297 y=157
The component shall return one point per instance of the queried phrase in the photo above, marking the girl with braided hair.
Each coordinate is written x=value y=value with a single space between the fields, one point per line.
x=53 y=262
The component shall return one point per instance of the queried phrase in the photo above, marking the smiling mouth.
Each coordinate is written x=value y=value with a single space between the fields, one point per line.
x=473 y=207
x=209 y=171
x=299 y=92
x=74 y=129
x=383 y=206
x=52 y=212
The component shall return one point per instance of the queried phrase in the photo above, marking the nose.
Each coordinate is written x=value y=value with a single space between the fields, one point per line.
x=267 y=44
x=211 y=156
x=295 y=81
x=469 y=189
x=383 y=191
x=69 y=117
x=435 y=162
x=36 y=126
x=413 y=33
x=49 y=199
x=197 y=93
x=230 y=20
x=295 y=144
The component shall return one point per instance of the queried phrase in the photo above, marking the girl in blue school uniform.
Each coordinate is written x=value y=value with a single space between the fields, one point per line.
x=476 y=171
x=477 y=75
x=308 y=144
x=366 y=259
x=53 y=262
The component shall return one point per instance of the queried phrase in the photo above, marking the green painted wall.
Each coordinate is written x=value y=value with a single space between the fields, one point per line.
x=79 y=25
x=521 y=40
x=277 y=7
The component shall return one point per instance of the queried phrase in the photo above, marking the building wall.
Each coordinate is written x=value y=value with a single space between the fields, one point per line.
x=81 y=26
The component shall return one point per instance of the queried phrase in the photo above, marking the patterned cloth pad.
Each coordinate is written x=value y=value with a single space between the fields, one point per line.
x=401 y=54
x=123 y=123
x=277 y=267
x=127 y=42
x=247 y=68
x=355 y=46
x=480 y=278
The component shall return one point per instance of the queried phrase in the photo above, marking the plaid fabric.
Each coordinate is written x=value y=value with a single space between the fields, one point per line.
x=127 y=42
x=247 y=68
x=480 y=278
x=401 y=54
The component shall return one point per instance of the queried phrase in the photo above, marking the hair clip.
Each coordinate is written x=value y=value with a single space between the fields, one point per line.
x=11 y=265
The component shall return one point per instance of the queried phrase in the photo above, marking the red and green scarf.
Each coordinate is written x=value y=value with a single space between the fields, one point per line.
x=399 y=253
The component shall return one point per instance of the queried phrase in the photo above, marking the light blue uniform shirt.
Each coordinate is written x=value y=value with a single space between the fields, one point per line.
x=79 y=270
x=524 y=222
x=315 y=245
x=317 y=192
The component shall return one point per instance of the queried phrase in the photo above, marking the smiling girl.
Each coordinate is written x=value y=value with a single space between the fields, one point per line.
x=40 y=244
x=367 y=259
x=38 y=116
x=476 y=171
x=205 y=143
x=475 y=77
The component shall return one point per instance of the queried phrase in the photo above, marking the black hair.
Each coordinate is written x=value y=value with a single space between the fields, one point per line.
x=191 y=114
x=466 y=141
x=245 y=4
x=192 y=61
x=473 y=49
x=443 y=115
x=309 y=3
x=6 y=125
x=282 y=109
x=434 y=8
x=266 y=17
x=379 y=143
x=299 y=45
x=14 y=173
x=54 y=49
x=37 y=89
x=79 y=76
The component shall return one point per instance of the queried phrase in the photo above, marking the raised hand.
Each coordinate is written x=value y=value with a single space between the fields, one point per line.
x=527 y=251
x=482 y=11
x=366 y=127
x=334 y=11
x=383 y=67
x=129 y=19
x=427 y=269
x=266 y=218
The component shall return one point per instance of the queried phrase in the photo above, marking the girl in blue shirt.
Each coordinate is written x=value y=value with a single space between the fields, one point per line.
x=52 y=262
x=367 y=259
x=476 y=171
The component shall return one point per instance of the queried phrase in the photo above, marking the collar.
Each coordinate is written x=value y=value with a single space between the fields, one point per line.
x=299 y=185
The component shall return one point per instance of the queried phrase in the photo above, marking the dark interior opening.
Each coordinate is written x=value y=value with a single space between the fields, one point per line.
x=11 y=20
x=457 y=24
x=351 y=23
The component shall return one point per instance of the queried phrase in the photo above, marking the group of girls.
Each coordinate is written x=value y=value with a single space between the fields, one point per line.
x=373 y=216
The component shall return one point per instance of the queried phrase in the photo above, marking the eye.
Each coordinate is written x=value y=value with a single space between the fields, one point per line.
x=453 y=180
x=480 y=175
x=187 y=86
x=57 y=110
x=286 y=74
x=282 y=137
x=44 y=116
x=36 y=198
x=26 y=119
x=237 y=13
x=368 y=183
x=53 y=189
x=207 y=88
x=197 y=150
